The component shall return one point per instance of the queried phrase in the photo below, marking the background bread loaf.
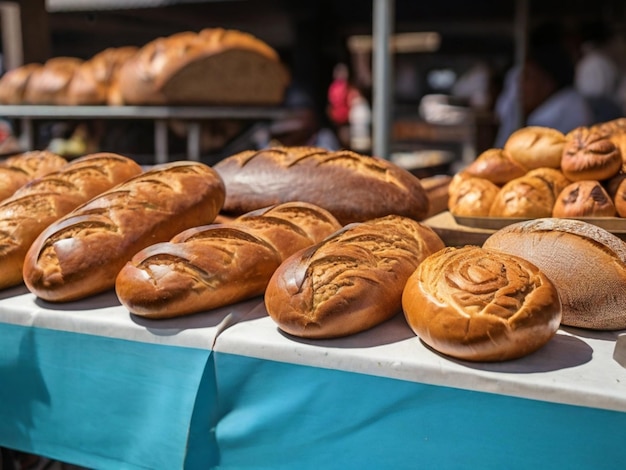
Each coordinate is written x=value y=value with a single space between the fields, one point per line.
x=481 y=305
x=351 y=281
x=82 y=253
x=14 y=82
x=216 y=265
x=48 y=85
x=37 y=204
x=19 y=169
x=352 y=187
x=586 y=263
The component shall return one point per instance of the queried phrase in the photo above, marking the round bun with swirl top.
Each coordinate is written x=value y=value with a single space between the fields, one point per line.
x=481 y=305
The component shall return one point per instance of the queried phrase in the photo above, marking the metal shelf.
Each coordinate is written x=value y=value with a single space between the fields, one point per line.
x=192 y=115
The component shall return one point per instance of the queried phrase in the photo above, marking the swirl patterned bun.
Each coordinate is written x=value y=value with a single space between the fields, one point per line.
x=584 y=199
x=481 y=305
x=589 y=155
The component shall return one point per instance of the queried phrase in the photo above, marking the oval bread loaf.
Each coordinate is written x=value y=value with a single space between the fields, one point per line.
x=82 y=253
x=481 y=305
x=216 y=265
x=586 y=263
x=19 y=169
x=352 y=187
x=350 y=282
x=44 y=200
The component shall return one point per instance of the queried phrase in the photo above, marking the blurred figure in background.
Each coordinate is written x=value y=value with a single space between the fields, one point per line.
x=340 y=95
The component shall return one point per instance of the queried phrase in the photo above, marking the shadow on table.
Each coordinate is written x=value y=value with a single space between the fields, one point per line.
x=103 y=300
x=13 y=291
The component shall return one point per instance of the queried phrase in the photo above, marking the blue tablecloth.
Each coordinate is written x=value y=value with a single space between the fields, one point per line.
x=87 y=383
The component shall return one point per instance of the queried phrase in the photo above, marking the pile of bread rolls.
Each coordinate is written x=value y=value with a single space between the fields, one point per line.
x=212 y=66
x=541 y=172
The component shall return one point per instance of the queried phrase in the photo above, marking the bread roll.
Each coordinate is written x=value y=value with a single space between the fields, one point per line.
x=94 y=79
x=618 y=185
x=215 y=66
x=353 y=187
x=530 y=196
x=350 y=282
x=14 y=82
x=19 y=169
x=40 y=202
x=48 y=85
x=497 y=166
x=584 y=199
x=82 y=253
x=473 y=197
x=216 y=265
x=586 y=263
x=481 y=305
x=536 y=147
x=589 y=155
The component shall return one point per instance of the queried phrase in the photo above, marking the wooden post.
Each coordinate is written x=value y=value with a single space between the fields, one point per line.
x=35 y=31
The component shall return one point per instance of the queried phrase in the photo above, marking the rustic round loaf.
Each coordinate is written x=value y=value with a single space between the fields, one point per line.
x=586 y=198
x=497 y=166
x=586 y=263
x=536 y=146
x=589 y=155
x=481 y=305
x=473 y=197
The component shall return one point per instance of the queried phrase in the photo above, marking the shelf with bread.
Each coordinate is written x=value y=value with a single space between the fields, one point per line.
x=190 y=76
x=203 y=308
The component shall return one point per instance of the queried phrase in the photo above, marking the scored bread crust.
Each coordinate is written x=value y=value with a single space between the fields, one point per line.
x=44 y=200
x=19 y=169
x=216 y=265
x=586 y=263
x=351 y=186
x=481 y=305
x=589 y=155
x=584 y=199
x=536 y=147
x=350 y=282
x=497 y=166
x=82 y=253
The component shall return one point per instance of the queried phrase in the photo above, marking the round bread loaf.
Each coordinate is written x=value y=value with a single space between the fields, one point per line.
x=584 y=199
x=586 y=263
x=14 y=82
x=497 y=166
x=618 y=184
x=351 y=281
x=589 y=155
x=481 y=305
x=473 y=197
x=536 y=147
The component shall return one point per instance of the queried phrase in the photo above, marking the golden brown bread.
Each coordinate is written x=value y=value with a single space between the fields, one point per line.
x=351 y=281
x=530 y=196
x=48 y=84
x=216 y=265
x=584 y=199
x=473 y=197
x=19 y=169
x=13 y=83
x=481 y=305
x=586 y=263
x=589 y=155
x=352 y=187
x=536 y=147
x=95 y=80
x=214 y=66
x=82 y=253
x=497 y=166
x=40 y=202
x=617 y=186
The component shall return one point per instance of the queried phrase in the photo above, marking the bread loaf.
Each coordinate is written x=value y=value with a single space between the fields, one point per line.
x=584 y=199
x=353 y=187
x=82 y=253
x=351 y=281
x=215 y=66
x=48 y=85
x=497 y=166
x=589 y=155
x=473 y=197
x=586 y=263
x=216 y=265
x=19 y=169
x=14 y=82
x=481 y=305
x=95 y=80
x=40 y=202
x=536 y=147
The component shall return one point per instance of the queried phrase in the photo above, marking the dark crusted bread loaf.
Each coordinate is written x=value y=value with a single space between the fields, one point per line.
x=40 y=202
x=19 y=169
x=351 y=281
x=82 y=253
x=352 y=187
x=216 y=265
